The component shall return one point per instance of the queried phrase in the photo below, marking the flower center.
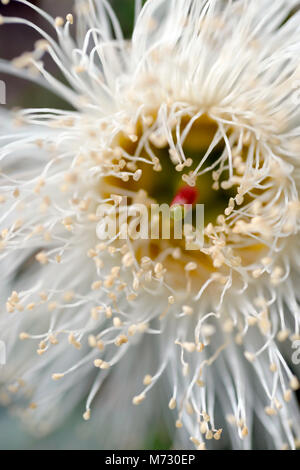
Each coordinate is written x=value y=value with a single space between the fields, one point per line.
x=168 y=178
x=191 y=161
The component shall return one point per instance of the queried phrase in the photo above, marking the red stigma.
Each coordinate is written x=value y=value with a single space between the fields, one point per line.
x=185 y=195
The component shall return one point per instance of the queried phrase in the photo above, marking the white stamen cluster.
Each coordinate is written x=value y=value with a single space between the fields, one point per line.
x=222 y=312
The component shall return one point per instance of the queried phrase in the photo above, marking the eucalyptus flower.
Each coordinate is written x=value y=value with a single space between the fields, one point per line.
x=200 y=106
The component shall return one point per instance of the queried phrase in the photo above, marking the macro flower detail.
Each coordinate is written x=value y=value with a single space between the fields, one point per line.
x=200 y=106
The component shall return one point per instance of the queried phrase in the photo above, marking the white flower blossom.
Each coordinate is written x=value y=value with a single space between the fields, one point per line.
x=204 y=95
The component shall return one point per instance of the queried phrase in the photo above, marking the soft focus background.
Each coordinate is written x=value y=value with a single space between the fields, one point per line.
x=14 y=40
